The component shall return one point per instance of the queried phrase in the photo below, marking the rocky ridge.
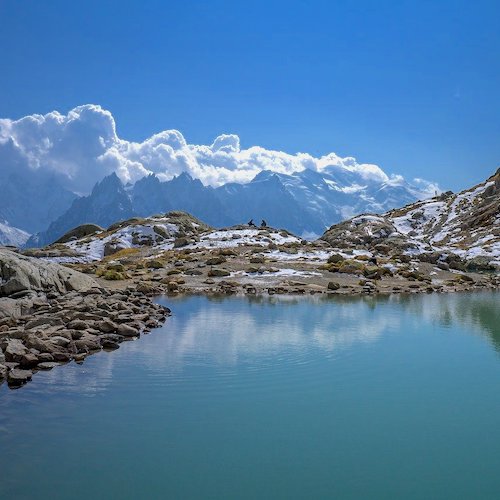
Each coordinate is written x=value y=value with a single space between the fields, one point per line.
x=250 y=260
x=460 y=230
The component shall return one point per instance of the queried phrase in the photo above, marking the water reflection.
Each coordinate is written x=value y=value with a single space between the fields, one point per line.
x=237 y=328
x=479 y=313
x=228 y=331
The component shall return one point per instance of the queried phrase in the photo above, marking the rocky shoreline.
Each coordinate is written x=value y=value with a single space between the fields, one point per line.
x=52 y=316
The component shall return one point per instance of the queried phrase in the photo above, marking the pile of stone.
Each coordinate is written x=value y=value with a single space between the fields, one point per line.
x=50 y=315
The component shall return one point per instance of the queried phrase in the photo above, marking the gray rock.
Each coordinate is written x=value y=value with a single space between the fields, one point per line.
x=127 y=331
x=113 y=337
x=20 y=273
x=44 y=321
x=28 y=360
x=60 y=341
x=47 y=365
x=61 y=356
x=335 y=257
x=40 y=345
x=15 y=350
x=45 y=357
x=17 y=377
x=332 y=285
x=88 y=343
x=218 y=272
x=14 y=308
x=78 y=324
x=109 y=344
x=107 y=326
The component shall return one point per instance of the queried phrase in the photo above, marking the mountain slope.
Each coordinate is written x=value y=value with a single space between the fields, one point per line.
x=466 y=225
x=107 y=204
x=266 y=197
x=12 y=235
x=31 y=202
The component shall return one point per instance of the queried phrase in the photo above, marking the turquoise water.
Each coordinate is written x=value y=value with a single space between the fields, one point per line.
x=271 y=398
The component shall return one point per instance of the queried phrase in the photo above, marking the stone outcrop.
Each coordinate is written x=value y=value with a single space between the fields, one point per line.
x=20 y=275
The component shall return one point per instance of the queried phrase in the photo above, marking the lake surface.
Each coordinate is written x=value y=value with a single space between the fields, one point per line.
x=370 y=398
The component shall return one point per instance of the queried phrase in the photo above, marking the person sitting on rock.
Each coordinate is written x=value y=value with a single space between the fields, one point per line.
x=251 y=223
x=263 y=223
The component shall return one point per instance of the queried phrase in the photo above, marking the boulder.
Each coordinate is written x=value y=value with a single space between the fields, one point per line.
x=214 y=261
x=218 y=272
x=88 y=343
x=127 y=331
x=47 y=365
x=373 y=272
x=40 y=345
x=44 y=321
x=334 y=258
x=112 y=247
x=15 y=350
x=181 y=242
x=77 y=324
x=443 y=265
x=257 y=259
x=107 y=326
x=60 y=341
x=28 y=360
x=17 y=377
x=479 y=263
x=19 y=273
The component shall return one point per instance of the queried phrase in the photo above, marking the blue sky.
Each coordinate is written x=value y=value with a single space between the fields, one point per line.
x=411 y=86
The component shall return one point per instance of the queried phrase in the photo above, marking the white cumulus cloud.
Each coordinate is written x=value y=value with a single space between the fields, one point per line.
x=82 y=147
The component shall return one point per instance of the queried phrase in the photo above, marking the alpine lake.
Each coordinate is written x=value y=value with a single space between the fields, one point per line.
x=394 y=397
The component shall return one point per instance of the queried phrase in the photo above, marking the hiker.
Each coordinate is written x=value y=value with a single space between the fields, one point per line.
x=251 y=223
x=263 y=223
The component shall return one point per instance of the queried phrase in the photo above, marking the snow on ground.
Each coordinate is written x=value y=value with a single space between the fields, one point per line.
x=227 y=238
x=315 y=255
x=427 y=213
x=281 y=272
x=360 y=219
x=438 y=226
x=92 y=249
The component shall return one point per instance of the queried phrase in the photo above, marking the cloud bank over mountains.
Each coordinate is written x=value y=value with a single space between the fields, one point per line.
x=82 y=147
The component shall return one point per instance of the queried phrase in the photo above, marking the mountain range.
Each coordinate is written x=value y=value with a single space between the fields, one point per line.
x=306 y=202
x=449 y=231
